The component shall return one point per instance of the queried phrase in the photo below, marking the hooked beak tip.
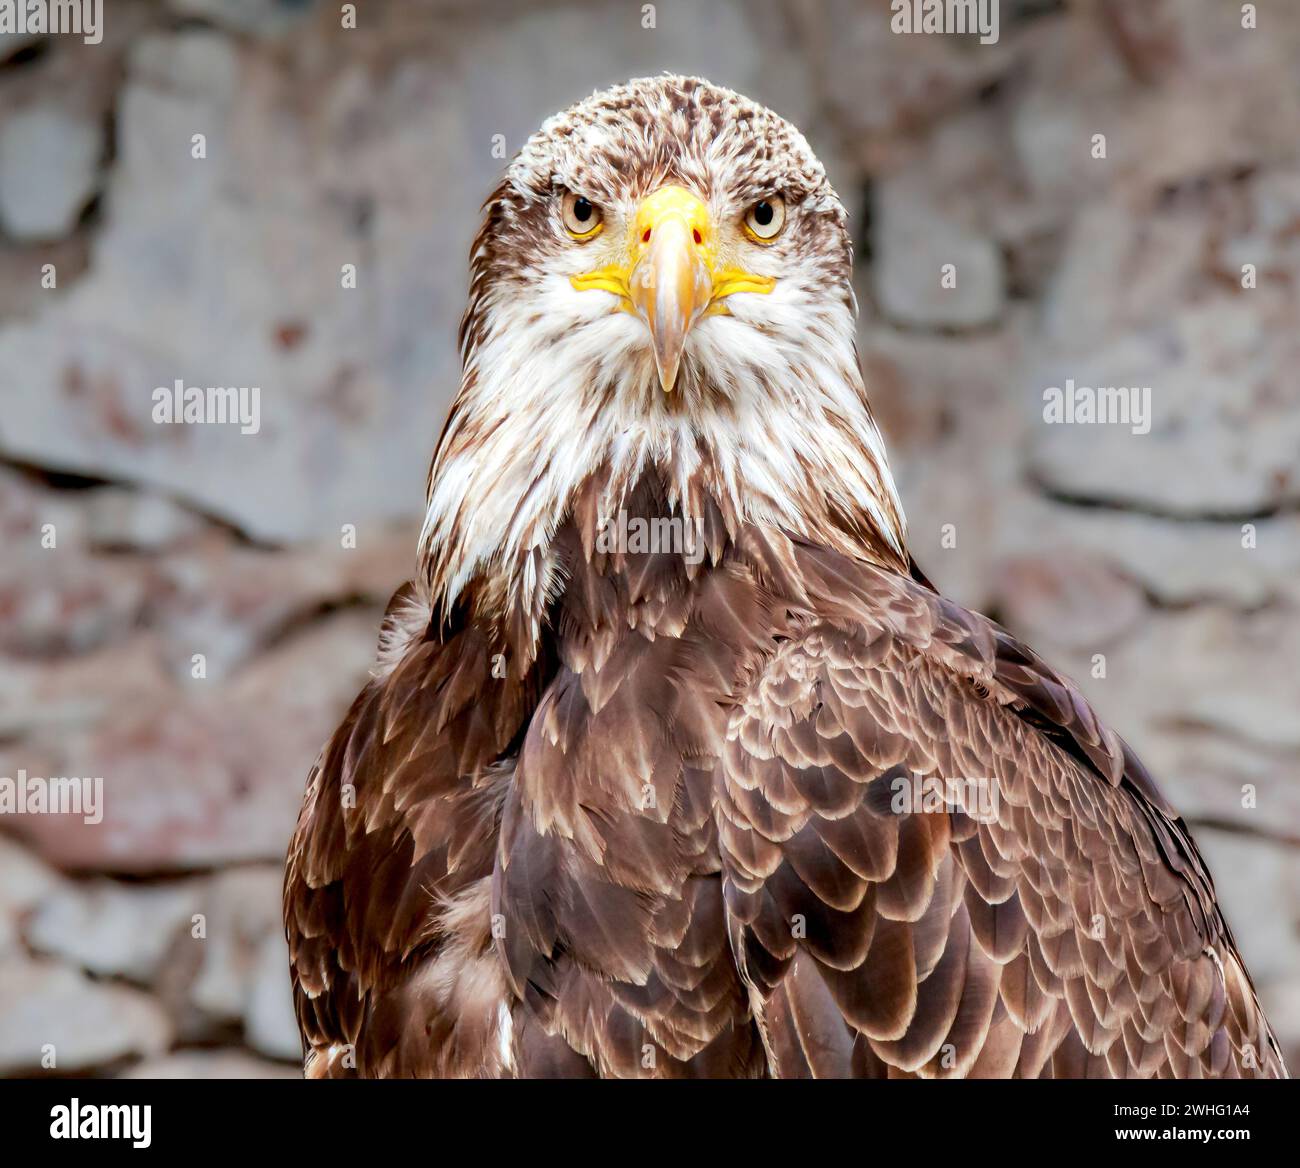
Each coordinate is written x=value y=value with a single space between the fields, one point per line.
x=668 y=371
x=671 y=288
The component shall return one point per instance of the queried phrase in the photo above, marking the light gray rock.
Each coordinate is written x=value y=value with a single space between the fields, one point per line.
x=1224 y=431
x=247 y=747
x=244 y=974
x=61 y=601
x=24 y=882
x=1281 y=1001
x=270 y=1025
x=49 y=168
x=1072 y=599
x=22 y=268
x=1177 y=563
x=242 y=909
x=138 y=520
x=1151 y=92
x=113 y=929
x=49 y=700
x=1224 y=778
x=26 y=507
x=47 y=1008
x=954 y=438
x=1229 y=671
x=913 y=244
x=879 y=85
x=1261 y=901
x=227 y=601
x=1053 y=140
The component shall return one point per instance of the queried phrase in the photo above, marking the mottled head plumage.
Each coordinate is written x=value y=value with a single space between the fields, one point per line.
x=768 y=421
x=628 y=140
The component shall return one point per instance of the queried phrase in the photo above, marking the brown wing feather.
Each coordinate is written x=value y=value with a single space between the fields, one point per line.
x=1073 y=932
x=386 y=895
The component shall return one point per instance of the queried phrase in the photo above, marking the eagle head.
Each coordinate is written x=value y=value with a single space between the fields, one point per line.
x=661 y=285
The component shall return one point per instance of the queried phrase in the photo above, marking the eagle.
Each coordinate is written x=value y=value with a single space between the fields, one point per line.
x=673 y=763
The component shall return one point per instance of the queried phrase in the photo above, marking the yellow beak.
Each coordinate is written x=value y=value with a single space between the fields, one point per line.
x=670 y=279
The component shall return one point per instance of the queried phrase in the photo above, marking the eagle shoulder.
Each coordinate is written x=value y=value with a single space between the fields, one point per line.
x=938 y=861
x=387 y=883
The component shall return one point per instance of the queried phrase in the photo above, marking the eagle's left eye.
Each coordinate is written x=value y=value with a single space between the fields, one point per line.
x=582 y=218
x=765 y=218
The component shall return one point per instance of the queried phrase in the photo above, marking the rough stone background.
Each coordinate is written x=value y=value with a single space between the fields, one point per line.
x=374 y=147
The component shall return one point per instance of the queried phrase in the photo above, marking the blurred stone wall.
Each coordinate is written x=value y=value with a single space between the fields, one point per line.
x=201 y=624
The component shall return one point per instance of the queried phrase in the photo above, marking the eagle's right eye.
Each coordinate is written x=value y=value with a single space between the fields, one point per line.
x=582 y=218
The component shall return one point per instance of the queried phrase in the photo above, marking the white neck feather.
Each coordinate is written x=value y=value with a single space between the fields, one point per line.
x=770 y=422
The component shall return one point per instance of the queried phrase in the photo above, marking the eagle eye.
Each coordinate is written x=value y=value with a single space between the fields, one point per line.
x=765 y=218
x=582 y=218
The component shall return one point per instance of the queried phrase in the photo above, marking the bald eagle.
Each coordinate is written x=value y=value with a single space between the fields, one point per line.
x=673 y=763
